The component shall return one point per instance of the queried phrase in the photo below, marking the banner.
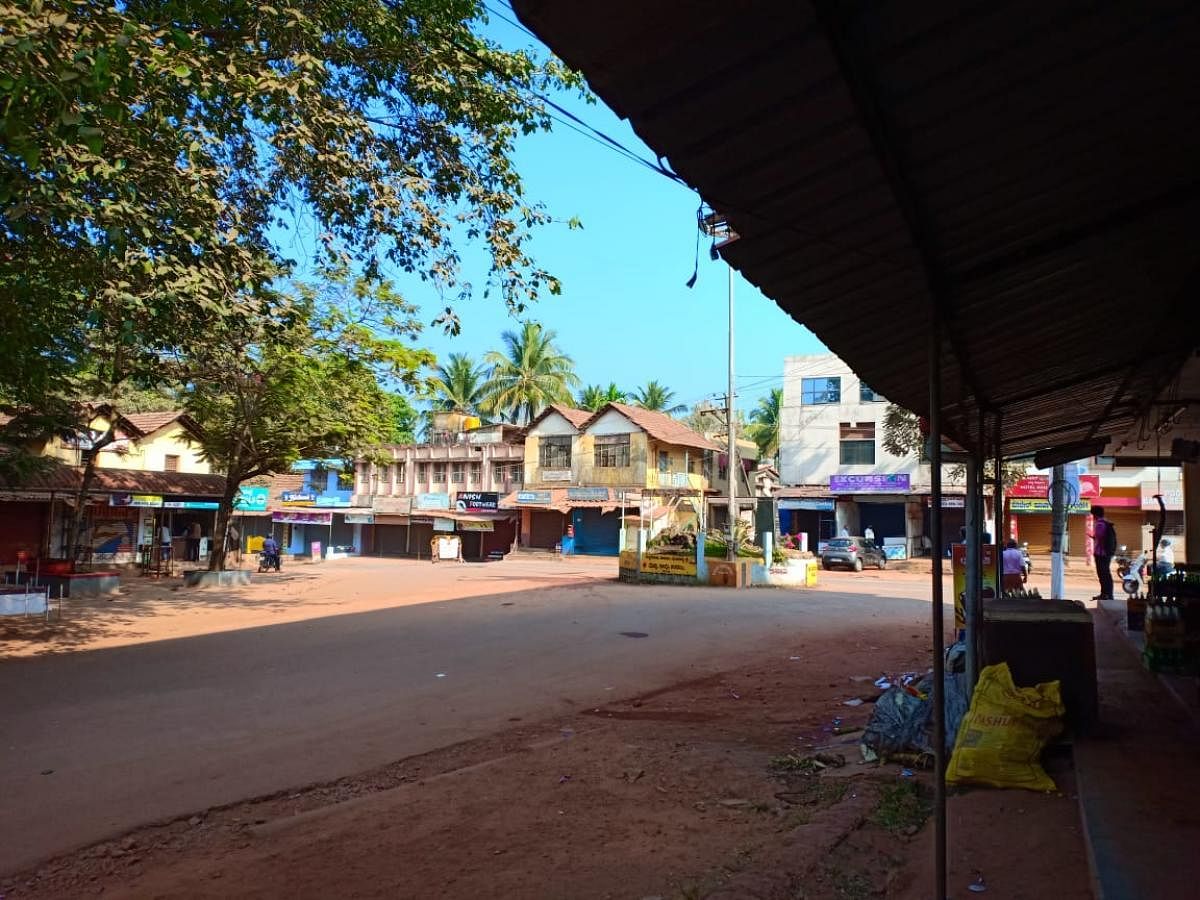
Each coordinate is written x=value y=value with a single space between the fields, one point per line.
x=251 y=499
x=869 y=484
x=148 y=501
x=661 y=564
x=466 y=501
x=958 y=565
x=477 y=526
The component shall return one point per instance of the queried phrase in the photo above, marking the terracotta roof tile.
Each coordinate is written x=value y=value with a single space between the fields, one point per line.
x=118 y=481
x=658 y=425
x=577 y=417
x=150 y=422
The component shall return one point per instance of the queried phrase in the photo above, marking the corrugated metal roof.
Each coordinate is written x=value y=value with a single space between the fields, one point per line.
x=1025 y=169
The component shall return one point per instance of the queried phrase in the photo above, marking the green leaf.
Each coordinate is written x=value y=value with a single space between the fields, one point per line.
x=32 y=154
x=71 y=117
x=182 y=71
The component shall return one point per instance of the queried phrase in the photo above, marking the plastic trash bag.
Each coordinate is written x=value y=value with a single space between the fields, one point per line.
x=1001 y=738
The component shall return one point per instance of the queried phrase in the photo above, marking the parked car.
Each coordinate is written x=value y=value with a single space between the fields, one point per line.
x=854 y=552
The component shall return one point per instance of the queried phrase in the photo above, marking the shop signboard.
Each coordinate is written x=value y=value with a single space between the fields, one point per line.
x=466 y=501
x=298 y=498
x=589 y=494
x=299 y=517
x=556 y=474
x=432 y=501
x=1085 y=487
x=420 y=520
x=1172 y=494
x=949 y=501
x=190 y=504
x=823 y=504
x=489 y=525
x=440 y=524
x=539 y=497
x=895 y=551
x=251 y=499
x=393 y=506
x=359 y=518
x=146 y=501
x=327 y=502
x=1022 y=505
x=662 y=564
x=897 y=483
x=958 y=566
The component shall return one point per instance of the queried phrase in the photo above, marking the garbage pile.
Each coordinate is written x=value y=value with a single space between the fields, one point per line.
x=902 y=724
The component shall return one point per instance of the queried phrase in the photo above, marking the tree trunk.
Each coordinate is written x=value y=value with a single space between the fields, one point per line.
x=216 y=559
x=85 y=485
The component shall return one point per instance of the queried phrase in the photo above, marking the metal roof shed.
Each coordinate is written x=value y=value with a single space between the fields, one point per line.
x=1026 y=170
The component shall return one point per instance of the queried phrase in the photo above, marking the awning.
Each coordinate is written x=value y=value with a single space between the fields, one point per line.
x=566 y=499
x=1024 y=173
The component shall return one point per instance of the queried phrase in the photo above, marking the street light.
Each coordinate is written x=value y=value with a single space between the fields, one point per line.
x=718 y=228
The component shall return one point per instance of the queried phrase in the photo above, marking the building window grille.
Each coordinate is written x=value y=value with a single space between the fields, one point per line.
x=612 y=451
x=554 y=452
x=856 y=444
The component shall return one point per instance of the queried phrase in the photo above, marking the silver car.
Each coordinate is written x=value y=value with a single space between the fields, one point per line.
x=852 y=552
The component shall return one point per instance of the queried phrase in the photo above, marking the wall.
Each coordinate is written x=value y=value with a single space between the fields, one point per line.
x=809 y=435
x=147 y=454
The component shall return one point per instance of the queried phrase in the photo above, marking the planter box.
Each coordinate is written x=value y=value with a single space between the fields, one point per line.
x=204 y=578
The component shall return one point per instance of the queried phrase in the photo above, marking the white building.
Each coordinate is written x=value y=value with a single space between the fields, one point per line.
x=837 y=476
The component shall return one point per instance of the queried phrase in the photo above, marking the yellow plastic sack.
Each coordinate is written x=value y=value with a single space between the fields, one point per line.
x=1001 y=737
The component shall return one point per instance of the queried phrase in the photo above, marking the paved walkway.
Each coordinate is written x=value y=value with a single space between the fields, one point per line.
x=1139 y=775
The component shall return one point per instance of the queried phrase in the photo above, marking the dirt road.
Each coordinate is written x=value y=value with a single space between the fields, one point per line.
x=99 y=741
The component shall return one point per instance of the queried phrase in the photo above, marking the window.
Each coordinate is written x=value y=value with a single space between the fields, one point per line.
x=691 y=464
x=820 y=391
x=856 y=446
x=554 y=452
x=476 y=472
x=866 y=395
x=399 y=473
x=664 y=461
x=422 y=472
x=612 y=451
x=458 y=472
x=517 y=473
x=439 y=473
x=171 y=463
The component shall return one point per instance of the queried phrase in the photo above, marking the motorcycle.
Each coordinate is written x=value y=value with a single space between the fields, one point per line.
x=268 y=561
x=1026 y=560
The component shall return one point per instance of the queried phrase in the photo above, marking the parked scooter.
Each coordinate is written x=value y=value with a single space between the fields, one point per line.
x=1026 y=559
x=1135 y=574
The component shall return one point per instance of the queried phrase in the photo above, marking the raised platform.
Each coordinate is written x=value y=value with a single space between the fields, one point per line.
x=205 y=578
x=82 y=584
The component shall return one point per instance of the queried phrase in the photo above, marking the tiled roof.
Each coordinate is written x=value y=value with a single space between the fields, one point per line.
x=66 y=479
x=277 y=484
x=149 y=422
x=577 y=417
x=658 y=425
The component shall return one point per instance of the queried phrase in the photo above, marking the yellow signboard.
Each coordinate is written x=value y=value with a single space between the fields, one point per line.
x=661 y=564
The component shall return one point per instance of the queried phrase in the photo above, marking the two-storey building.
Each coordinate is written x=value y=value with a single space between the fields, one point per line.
x=585 y=472
x=452 y=483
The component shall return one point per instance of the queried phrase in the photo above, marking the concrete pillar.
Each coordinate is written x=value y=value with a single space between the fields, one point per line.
x=1191 y=511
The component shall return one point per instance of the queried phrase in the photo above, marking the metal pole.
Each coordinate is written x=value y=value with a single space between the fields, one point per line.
x=1058 y=526
x=939 y=639
x=974 y=558
x=998 y=504
x=730 y=407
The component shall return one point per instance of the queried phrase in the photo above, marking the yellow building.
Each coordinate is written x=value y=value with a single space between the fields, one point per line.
x=144 y=442
x=584 y=471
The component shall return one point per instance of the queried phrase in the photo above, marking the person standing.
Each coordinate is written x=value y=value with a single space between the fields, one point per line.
x=869 y=533
x=1014 y=568
x=1104 y=545
x=233 y=541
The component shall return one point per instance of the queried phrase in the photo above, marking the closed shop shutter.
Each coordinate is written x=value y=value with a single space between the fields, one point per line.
x=419 y=547
x=1035 y=531
x=343 y=535
x=22 y=529
x=502 y=538
x=595 y=533
x=1077 y=536
x=1128 y=523
x=390 y=540
x=545 y=528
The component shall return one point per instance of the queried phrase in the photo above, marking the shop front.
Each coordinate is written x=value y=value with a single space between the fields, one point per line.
x=1030 y=518
x=877 y=502
x=812 y=517
x=954 y=519
x=303 y=532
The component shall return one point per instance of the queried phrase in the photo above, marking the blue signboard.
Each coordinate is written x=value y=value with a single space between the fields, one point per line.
x=250 y=499
x=327 y=501
x=820 y=503
x=542 y=497
x=190 y=504
x=299 y=497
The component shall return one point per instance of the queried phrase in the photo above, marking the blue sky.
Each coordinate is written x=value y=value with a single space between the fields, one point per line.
x=625 y=313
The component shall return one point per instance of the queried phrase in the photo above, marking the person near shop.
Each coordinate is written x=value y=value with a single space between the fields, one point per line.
x=1014 y=568
x=869 y=533
x=164 y=538
x=1104 y=545
x=1164 y=558
x=195 y=532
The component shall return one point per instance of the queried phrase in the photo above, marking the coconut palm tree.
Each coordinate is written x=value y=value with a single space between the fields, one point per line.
x=458 y=385
x=764 y=423
x=595 y=396
x=531 y=374
x=657 y=397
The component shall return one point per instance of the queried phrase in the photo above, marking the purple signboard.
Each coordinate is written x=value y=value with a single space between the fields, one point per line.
x=869 y=484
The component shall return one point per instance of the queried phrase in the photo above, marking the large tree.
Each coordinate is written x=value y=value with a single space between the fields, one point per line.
x=530 y=374
x=306 y=383
x=659 y=398
x=764 y=423
x=152 y=152
x=594 y=396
